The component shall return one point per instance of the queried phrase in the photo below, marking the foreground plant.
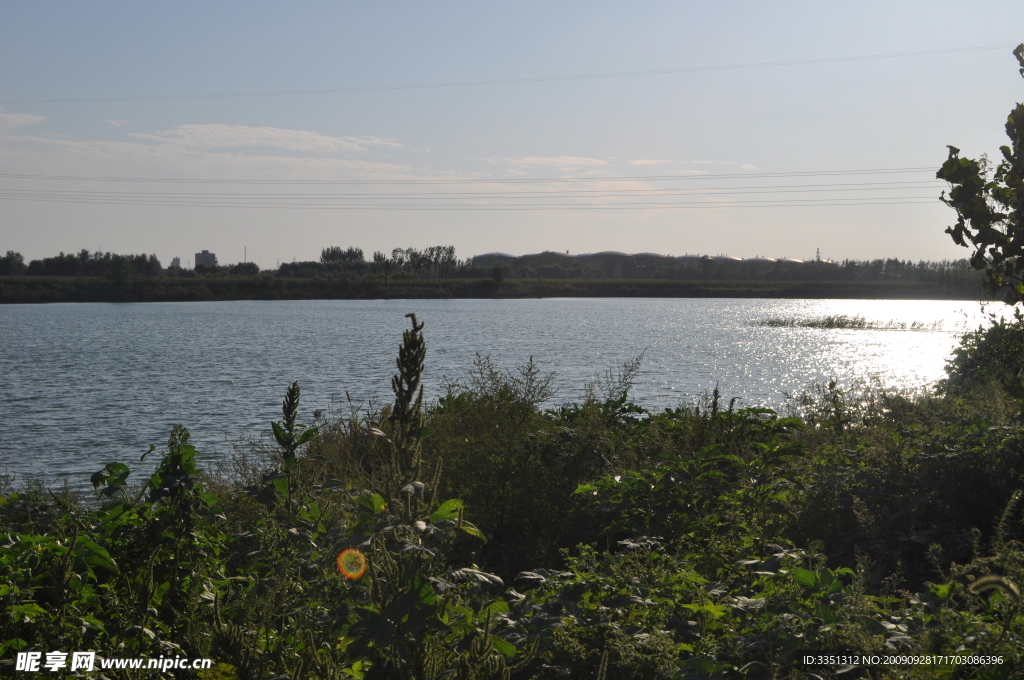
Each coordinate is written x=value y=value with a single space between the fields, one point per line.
x=989 y=203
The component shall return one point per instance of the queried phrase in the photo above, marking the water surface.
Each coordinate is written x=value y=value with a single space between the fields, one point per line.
x=82 y=385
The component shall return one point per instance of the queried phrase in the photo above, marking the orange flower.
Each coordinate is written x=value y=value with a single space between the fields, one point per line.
x=352 y=564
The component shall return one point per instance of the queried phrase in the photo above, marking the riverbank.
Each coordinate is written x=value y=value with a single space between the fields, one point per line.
x=43 y=289
x=597 y=539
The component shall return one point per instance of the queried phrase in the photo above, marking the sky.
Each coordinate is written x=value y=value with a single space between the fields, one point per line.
x=268 y=131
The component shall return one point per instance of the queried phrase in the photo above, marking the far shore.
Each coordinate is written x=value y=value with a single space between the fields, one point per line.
x=40 y=289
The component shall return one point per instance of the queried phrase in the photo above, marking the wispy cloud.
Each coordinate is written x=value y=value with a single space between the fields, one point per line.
x=215 y=135
x=116 y=122
x=50 y=155
x=9 y=121
x=644 y=161
x=560 y=161
x=743 y=166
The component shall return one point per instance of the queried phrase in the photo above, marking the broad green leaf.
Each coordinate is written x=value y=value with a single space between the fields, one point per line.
x=825 y=613
x=942 y=592
x=448 y=510
x=503 y=646
x=306 y=436
x=585 y=488
x=715 y=611
x=100 y=557
x=472 y=530
x=281 y=484
x=424 y=432
x=279 y=434
x=374 y=503
x=422 y=590
x=807 y=579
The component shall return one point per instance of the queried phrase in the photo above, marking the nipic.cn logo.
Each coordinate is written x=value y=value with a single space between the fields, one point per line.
x=33 y=661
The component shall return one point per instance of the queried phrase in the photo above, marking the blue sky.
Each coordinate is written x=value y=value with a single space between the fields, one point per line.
x=725 y=142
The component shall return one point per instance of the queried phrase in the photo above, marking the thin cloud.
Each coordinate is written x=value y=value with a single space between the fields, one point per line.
x=743 y=166
x=116 y=122
x=643 y=161
x=9 y=121
x=560 y=161
x=215 y=135
x=44 y=155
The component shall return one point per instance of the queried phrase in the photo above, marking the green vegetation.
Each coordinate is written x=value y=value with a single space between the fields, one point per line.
x=989 y=203
x=844 y=321
x=36 y=289
x=488 y=538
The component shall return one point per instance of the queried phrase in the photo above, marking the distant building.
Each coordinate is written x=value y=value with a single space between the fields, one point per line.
x=207 y=258
x=175 y=263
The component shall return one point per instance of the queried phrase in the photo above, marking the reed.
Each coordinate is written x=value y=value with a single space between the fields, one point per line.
x=843 y=321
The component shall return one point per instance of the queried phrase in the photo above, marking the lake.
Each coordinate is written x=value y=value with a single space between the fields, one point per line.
x=82 y=385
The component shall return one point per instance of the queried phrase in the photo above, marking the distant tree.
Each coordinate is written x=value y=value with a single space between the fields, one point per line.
x=12 y=263
x=432 y=261
x=244 y=269
x=94 y=264
x=414 y=260
x=440 y=260
x=549 y=271
x=385 y=263
x=448 y=260
x=332 y=254
x=399 y=258
x=207 y=269
x=335 y=254
x=120 y=271
x=989 y=203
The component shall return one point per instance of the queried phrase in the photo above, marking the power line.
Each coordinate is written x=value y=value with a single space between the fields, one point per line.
x=789 y=202
x=547 y=180
x=566 y=193
x=531 y=195
x=510 y=81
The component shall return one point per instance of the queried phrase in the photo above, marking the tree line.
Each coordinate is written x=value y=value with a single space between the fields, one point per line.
x=433 y=262
x=440 y=263
x=83 y=263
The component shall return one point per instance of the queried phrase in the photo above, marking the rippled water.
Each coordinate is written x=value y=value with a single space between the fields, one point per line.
x=82 y=385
